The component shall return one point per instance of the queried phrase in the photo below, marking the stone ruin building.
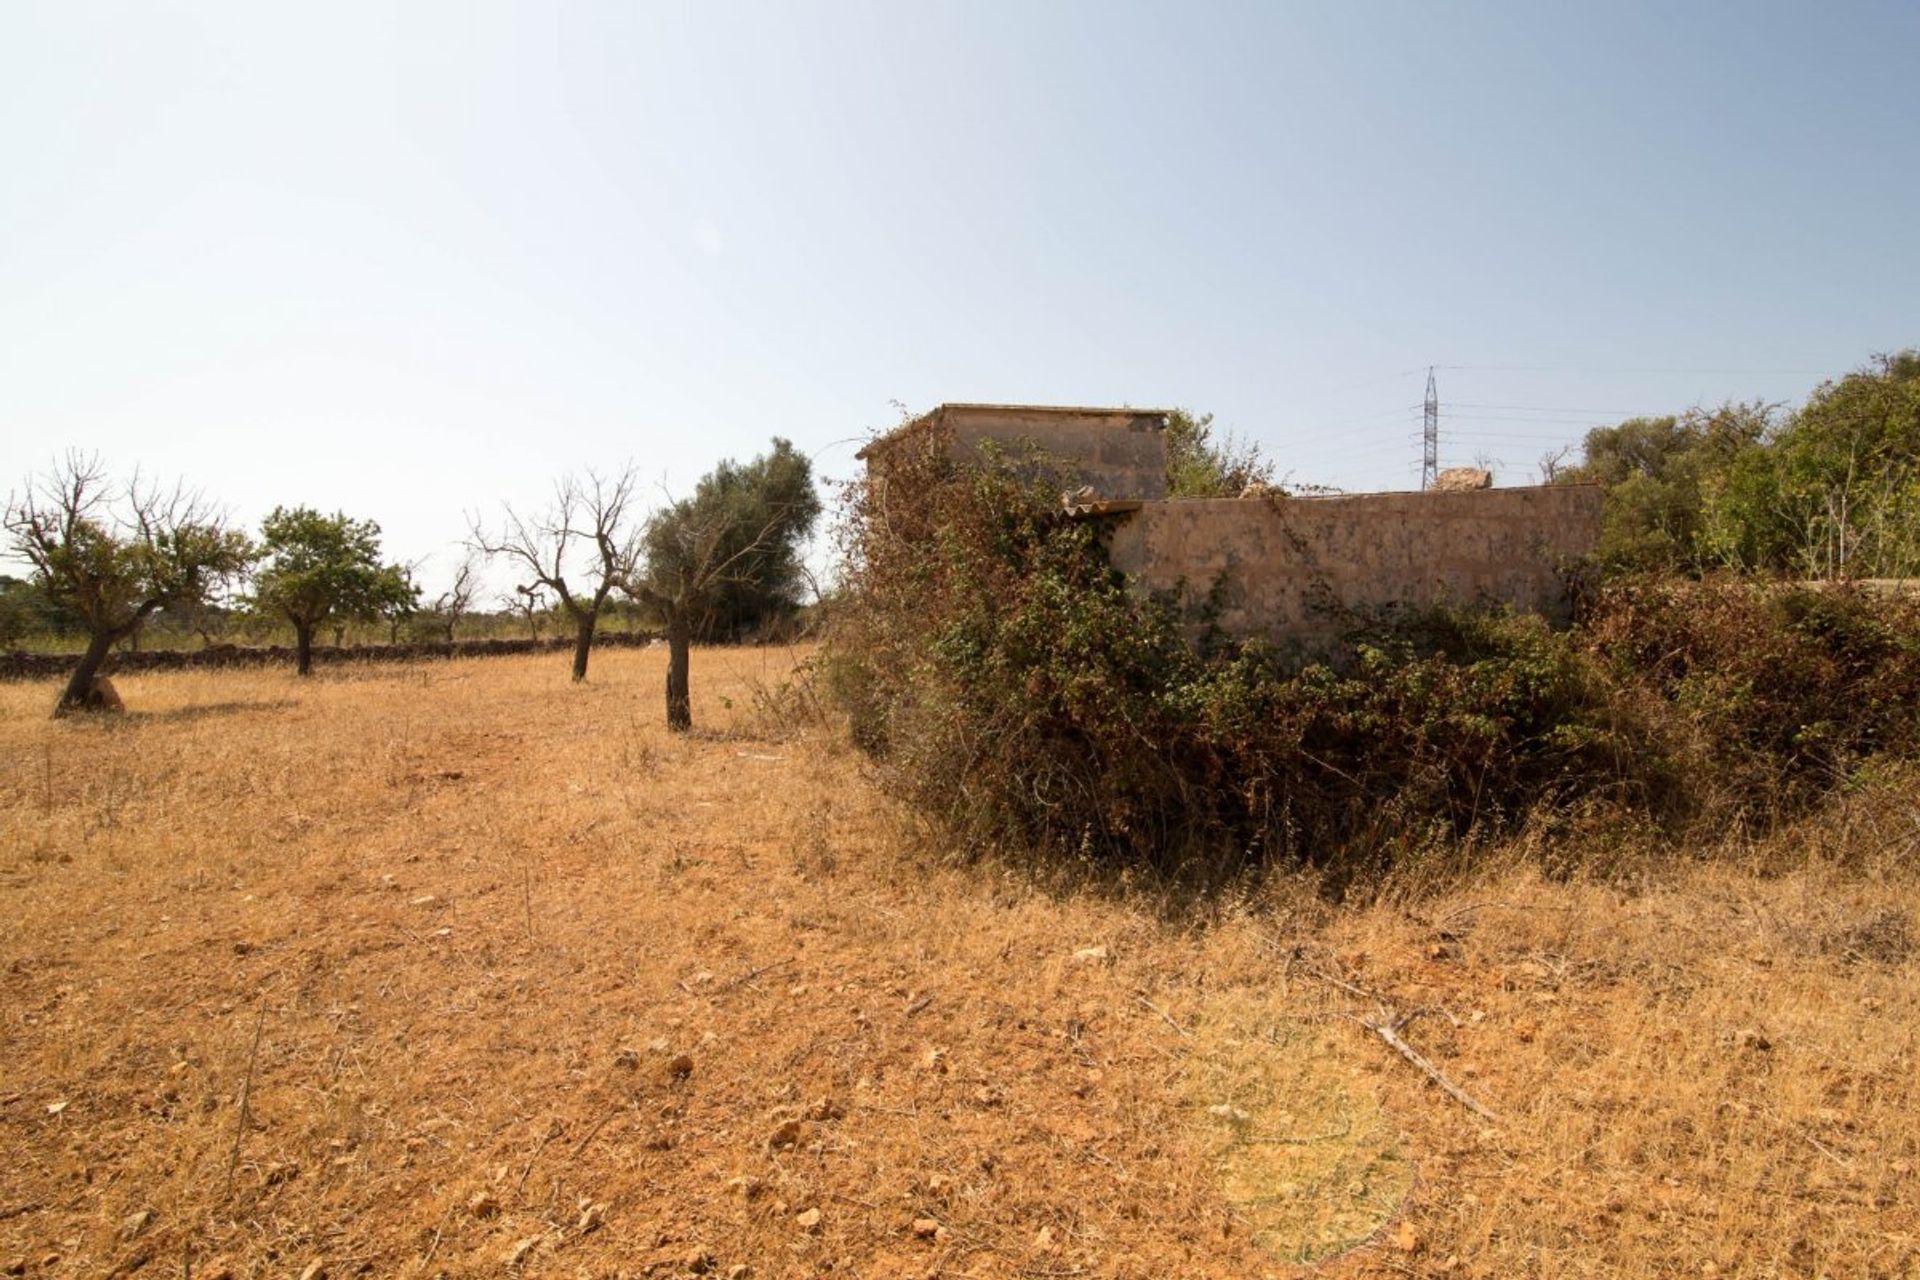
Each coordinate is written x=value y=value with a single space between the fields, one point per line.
x=1298 y=570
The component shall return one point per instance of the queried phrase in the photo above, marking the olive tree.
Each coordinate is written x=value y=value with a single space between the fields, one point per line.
x=112 y=555
x=742 y=527
x=321 y=567
x=580 y=548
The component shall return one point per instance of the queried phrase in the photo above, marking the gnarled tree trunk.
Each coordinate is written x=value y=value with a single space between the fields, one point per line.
x=583 y=645
x=679 y=696
x=78 y=695
x=302 y=647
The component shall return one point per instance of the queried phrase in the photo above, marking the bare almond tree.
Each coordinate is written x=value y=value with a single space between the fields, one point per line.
x=530 y=602
x=580 y=548
x=115 y=554
x=456 y=602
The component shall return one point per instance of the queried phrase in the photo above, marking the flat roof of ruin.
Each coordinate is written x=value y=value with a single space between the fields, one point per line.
x=1074 y=410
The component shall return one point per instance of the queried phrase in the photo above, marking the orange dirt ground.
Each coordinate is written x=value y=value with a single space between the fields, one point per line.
x=456 y=969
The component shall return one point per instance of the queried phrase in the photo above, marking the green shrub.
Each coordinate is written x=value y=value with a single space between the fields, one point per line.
x=1012 y=687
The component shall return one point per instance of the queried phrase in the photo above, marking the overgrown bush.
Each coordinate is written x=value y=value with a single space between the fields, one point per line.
x=1015 y=689
x=1780 y=689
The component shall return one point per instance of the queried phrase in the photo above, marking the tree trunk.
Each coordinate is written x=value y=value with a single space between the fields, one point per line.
x=302 y=647
x=679 y=696
x=582 y=645
x=78 y=694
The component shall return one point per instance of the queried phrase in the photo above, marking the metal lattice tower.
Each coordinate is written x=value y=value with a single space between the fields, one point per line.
x=1430 y=462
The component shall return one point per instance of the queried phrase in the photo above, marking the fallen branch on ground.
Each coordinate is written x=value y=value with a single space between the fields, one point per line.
x=1164 y=1016
x=246 y=1098
x=746 y=978
x=1388 y=1029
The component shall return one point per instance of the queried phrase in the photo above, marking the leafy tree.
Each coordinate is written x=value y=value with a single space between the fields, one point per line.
x=588 y=516
x=323 y=567
x=1836 y=491
x=1656 y=473
x=733 y=543
x=25 y=611
x=17 y=612
x=399 y=610
x=114 y=555
x=1199 y=465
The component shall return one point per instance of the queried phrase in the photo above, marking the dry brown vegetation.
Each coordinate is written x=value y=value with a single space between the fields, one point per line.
x=456 y=969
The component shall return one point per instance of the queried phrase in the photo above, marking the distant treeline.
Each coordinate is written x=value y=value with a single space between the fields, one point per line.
x=1829 y=491
x=19 y=665
x=114 y=563
x=30 y=621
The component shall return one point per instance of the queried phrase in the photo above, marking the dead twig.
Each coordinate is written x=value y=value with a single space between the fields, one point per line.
x=1388 y=1029
x=554 y=1130
x=751 y=974
x=246 y=1096
x=1827 y=1151
x=1164 y=1015
x=594 y=1132
x=1298 y=952
x=528 y=898
x=438 y=1229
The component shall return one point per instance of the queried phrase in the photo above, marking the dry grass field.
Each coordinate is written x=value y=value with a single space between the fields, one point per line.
x=456 y=969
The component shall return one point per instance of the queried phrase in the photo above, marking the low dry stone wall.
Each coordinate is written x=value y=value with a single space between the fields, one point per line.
x=20 y=665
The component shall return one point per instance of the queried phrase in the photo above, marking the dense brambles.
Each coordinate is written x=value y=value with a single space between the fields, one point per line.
x=1780 y=691
x=1012 y=687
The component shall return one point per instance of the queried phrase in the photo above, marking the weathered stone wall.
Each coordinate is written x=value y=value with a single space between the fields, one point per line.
x=1120 y=453
x=1301 y=570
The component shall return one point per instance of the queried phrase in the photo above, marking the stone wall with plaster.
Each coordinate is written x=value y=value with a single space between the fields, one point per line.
x=1119 y=453
x=1299 y=570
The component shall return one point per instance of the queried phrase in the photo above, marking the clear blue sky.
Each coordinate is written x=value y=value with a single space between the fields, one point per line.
x=409 y=259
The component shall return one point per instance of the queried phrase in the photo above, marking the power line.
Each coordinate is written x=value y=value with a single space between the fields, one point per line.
x=1345 y=387
x=1548 y=368
x=1538 y=408
x=1488 y=417
x=1364 y=417
x=1521 y=442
